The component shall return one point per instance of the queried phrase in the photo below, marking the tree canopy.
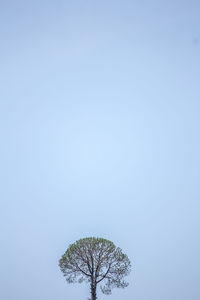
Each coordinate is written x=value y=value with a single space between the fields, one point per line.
x=96 y=261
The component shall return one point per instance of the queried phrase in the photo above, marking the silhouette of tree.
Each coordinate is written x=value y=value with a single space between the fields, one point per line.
x=96 y=261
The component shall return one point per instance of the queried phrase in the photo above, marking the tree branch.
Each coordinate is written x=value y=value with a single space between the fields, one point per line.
x=82 y=271
x=104 y=276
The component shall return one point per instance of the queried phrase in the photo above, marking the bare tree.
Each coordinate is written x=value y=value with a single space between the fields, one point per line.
x=96 y=261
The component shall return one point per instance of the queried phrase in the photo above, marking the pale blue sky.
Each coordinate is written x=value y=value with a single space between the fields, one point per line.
x=100 y=119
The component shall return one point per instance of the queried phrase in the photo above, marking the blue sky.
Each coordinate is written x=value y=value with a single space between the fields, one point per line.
x=99 y=114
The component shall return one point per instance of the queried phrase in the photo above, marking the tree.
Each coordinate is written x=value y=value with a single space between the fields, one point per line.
x=95 y=260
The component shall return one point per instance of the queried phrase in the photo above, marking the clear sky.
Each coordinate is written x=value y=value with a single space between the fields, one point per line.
x=100 y=121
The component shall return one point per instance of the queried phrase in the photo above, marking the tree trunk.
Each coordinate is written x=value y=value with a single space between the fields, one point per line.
x=93 y=291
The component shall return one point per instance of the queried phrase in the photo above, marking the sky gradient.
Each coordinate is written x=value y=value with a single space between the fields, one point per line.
x=100 y=121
